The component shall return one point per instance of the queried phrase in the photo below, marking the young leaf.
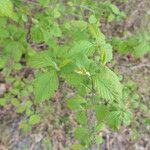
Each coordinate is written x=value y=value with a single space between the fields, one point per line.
x=45 y=86
x=107 y=84
x=107 y=49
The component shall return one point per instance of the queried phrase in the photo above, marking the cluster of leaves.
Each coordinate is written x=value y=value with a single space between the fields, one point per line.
x=138 y=44
x=76 y=52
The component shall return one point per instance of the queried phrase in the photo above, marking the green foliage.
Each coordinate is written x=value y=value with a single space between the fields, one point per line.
x=82 y=132
x=6 y=8
x=34 y=119
x=75 y=103
x=107 y=84
x=45 y=85
x=2 y=101
x=40 y=60
x=138 y=44
x=73 y=51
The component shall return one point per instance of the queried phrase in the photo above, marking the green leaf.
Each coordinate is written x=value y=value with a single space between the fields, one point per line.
x=75 y=103
x=20 y=109
x=127 y=118
x=107 y=49
x=56 y=13
x=56 y=31
x=37 y=34
x=82 y=118
x=3 y=61
x=99 y=139
x=82 y=135
x=79 y=24
x=44 y=3
x=45 y=86
x=25 y=126
x=47 y=143
x=114 y=9
x=114 y=119
x=6 y=8
x=141 y=49
x=101 y=113
x=111 y=18
x=3 y=101
x=92 y=19
x=81 y=47
x=34 y=119
x=15 y=102
x=14 y=50
x=40 y=60
x=107 y=84
x=147 y=121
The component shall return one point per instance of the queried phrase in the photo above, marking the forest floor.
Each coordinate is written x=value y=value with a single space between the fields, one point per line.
x=136 y=70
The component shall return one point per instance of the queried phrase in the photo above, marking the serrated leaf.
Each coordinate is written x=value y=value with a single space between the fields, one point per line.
x=107 y=84
x=114 y=120
x=45 y=86
x=40 y=60
x=6 y=8
x=81 y=47
x=74 y=79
